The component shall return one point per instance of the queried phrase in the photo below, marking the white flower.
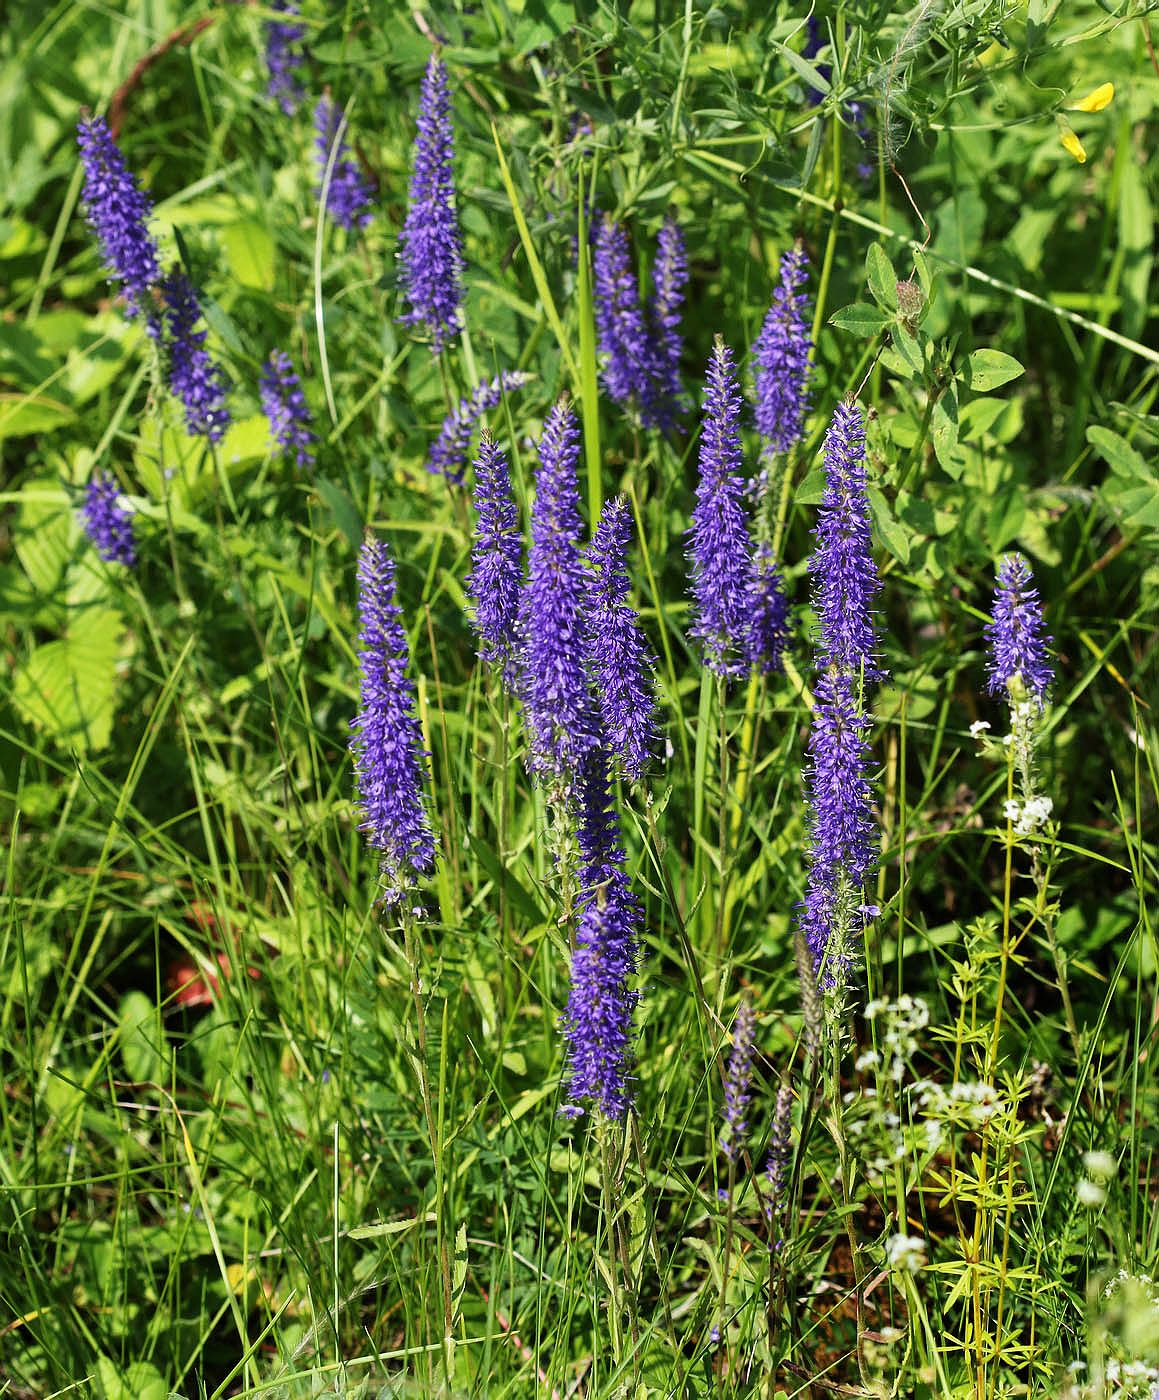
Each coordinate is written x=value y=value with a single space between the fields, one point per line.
x=979 y=727
x=1011 y=810
x=1090 y=1194
x=870 y=1059
x=906 y=1252
x=1100 y=1165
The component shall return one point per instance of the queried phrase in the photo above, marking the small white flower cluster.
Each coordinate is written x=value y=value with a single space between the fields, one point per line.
x=1092 y=1189
x=906 y=1253
x=1028 y=816
x=1121 y=1380
x=979 y=728
x=902 y=1019
x=968 y=1105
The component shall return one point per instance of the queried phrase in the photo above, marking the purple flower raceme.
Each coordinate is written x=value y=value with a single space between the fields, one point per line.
x=348 y=197
x=621 y=660
x=387 y=739
x=769 y=621
x=284 y=405
x=781 y=355
x=719 y=548
x=284 y=56
x=845 y=584
x=664 y=398
x=448 y=454
x=496 y=567
x=1016 y=635
x=558 y=709
x=430 y=246
x=118 y=213
x=777 y=1166
x=623 y=337
x=193 y=376
x=738 y=1082
x=597 y=1023
x=107 y=524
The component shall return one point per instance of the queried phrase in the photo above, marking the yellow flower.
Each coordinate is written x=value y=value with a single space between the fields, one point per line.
x=1093 y=102
x=1071 y=142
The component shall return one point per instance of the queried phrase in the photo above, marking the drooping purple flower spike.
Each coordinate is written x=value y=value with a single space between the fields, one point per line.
x=285 y=407
x=1017 y=637
x=719 y=548
x=769 y=631
x=193 y=376
x=348 y=197
x=622 y=662
x=118 y=213
x=108 y=525
x=448 y=453
x=558 y=708
x=665 y=396
x=284 y=56
x=781 y=354
x=387 y=739
x=623 y=339
x=738 y=1082
x=496 y=556
x=597 y=1023
x=430 y=246
x=845 y=577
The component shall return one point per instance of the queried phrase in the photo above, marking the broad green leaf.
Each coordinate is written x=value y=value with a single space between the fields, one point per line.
x=860 y=318
x=22 y=415
x=988 y=369
x=342 y=510
x=908 y=347
x=67 y=687
x=142 y=1039
x=881 y=277
x=944 y=424
x=44 y=535
x=1118 y=453
x=894 y=535
x=249 y=248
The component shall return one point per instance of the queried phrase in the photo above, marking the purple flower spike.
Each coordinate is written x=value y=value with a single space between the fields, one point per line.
x=845 y=577
x=719 y=549
x=777 y=1165
x=769 y=634
x=554 y=683
x=193 y=376
x=597 y=1023
x=430 y=246
x=349 y=196
x=118 y=213
x=496 y=558
x=1017 y=638
x=622 y=662
x=285 y=407
x=738 y=1082
x=284 y=57
x=387 y=739
x=781 y=354
x=623 y=338
x=107 y=524
x=449 y=450
x=665 y=396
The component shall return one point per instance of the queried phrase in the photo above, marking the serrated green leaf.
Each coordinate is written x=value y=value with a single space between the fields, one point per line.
x=45 y=533
x=988 y=369
x=881 y=277
x=860 y=318
x=68 y=687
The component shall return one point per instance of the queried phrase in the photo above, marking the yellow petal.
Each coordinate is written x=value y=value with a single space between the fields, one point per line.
x=1095 y=101
x=1074 y=146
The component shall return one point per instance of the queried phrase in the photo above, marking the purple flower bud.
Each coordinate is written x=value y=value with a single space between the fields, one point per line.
x=1016 y=635
x=387 y=741
x=665 y=397
x=193 y=376
x=349 y=197
x=781 y=354
x=496 y=558
x=777 y=1166
x=738 y=1082
x=719 y=548
x=622 y=662
x=107 y=524
x=285 y=407
x=284 y=57
x=430 y=246
x=118 y=213
x=449 y=451
x=623 y=339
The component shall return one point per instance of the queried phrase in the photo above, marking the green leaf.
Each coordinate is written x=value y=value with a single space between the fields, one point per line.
x=881 y=277
x=1118 y=453
x=987 y=369
x=68 y=687
x=342 y=510
x=909 y=348
x=893 y=535
x=812 y=489
x=249 y=250
x=43 y=539
x=860 y=318
x=142 y=1038
x=944 y=425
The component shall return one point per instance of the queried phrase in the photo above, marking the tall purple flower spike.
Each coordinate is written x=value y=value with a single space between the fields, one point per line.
x=348 y=198
x=621 y=660
x=719 y=548
x=738 y=1082
x=769 y=630
x=284 y=56
x=106 y=523
x=623 y=338
x=665 y=396
x=496 y=558
x=387 y=739
x=597 y=1023
x=118 y=213
x=285 y=407
x=449 y=450
x=193 y=376
x=1016 y=635
x=781 y=355
x=560 y=715
x=430 y=246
